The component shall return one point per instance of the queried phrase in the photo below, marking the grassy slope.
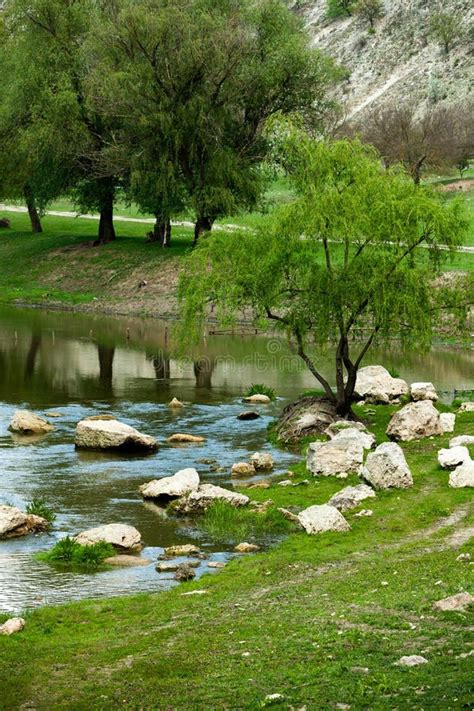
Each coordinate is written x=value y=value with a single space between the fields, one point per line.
x=294 y=620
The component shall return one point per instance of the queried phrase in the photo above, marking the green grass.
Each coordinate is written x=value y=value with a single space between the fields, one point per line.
x=319 y=619
x=260 y=389
x=39 y=508
x=70 y=554
x=233 y=525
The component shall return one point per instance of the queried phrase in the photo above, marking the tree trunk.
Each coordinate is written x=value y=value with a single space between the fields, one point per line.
x=36 y=227
x=106 y=222
x=202 y=226
x=161 y=232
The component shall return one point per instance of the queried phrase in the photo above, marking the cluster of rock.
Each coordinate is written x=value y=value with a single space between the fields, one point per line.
x=457 y=459
x=259 y=462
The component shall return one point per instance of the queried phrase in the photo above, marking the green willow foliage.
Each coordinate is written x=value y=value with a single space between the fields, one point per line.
x=355 y=253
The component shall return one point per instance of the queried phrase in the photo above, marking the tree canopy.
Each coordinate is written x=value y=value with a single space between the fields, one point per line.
x=357 y=251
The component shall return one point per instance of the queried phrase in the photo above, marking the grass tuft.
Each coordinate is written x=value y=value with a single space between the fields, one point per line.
x=260 y=389
x=72 y=554
x=38 y=507
x=227 y=523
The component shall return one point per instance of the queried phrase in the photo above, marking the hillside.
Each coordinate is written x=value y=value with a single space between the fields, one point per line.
x=401 y=61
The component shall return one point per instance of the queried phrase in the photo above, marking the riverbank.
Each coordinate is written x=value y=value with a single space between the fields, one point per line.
x=320 y=620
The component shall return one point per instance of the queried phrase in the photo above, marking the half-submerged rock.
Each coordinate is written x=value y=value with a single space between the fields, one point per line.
x=207 y=494
x=175 y=403
x=351 y=496
x=415 y=421
x=262 y=461
x=387 y=468
x=319 y=519
x=242 y=469
x=25 y=422
x=15 y=523
x=183 y=482
x=375 y=384
x=120 y=535
x=258 y=398
x=183 y=438
x=112 y=435
x=335 y=458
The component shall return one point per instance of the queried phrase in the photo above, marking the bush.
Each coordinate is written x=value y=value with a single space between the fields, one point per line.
x=369 y=10
x=446 y=28
x=339 y=8
x=68 y=552
x=37 y=507
x=260 y=389
x=393 y=372
x=227 y=523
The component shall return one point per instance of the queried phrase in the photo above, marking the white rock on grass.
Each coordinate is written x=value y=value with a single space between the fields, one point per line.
x=262 y=461
x=350 y=497
x=466 y=407
x=463 y=476
x=13 y=625
x=387 y=468
x=207 y=494
x=319 y=519
x=25 y=422
x=337 y=427
x=119 y=535
x=335 y=458
x=453 y=457
x=462 y=441
x=375 y=383
x=423 y=391
x=448 y=422
x=412 y=660
x=415 y=421
x=183 y=482
x=109 y=434
x=459 y=602
x=351 y=434
x=15 y=523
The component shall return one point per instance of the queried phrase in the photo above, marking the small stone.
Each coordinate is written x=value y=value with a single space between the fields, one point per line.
x=53 y=413
x=466 y=407
x=184 y=572
x=262 y=484
x=175 y=403
x=181 y=437
x=273 y=699
x=456 y=603
x=195 y=592
x=242 y=469
x=13 y=625
x=364 y=512
x=248 y=415
x=463 y=557
x=262 y=461
x=258 y=398
x=411 y=661
x=360 y=670
x=216 y=564
x=285 y=482
x=172 y=566
x=186 y=549
x=246 y=548
x=127 y=561
x=261 y=507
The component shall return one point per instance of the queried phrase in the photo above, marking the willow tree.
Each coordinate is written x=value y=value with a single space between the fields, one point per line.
x=358 y=250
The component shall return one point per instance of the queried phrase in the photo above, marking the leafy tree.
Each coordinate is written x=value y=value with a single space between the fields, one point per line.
x=446 y=28
x=357 y=250
x=198 y=80
x=339 y=8
x=369 y=10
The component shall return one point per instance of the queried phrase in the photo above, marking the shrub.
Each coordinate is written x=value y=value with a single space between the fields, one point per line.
x=69 y=552
x=260 y=389
x=339 y=8
x=37 y=507
x=393 y=372
x=369 y=10
x=446 y=28
x=227 y=523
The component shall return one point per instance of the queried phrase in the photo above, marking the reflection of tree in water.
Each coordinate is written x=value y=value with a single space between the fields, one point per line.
x=31 y=355
x=106 y=363
x=203 y=369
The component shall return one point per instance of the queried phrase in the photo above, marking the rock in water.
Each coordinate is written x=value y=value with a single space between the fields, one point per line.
x=457 y=603
x=387 y=468
x=262 y=461
x=175 y=403
x=242 y=469
x=423 y=391
x=199 y=501
x=182 y=437
x=453 y=457
x=13 y=625
x=335 y=458
x=258 y=398
x=184 y=572
x=119 y=535
x=185 y=549
x=463 y=476
x=350 y=497
x=319 y=519
x=415 y=421
x=127 y=561
x=248 y=415
x=246 y=548
x=375 y=384
x=112 y=435
x=25 y=422
x=15 y=523
x=183 y=482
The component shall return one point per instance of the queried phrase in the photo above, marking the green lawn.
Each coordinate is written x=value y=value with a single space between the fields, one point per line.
x=319 y=619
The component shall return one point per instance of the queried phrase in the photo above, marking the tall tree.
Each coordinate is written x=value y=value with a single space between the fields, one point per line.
x=373 y=244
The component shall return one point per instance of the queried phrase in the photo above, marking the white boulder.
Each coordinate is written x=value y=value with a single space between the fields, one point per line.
x=200 y=500
x=459 y=602
x=351 y=434
x=119 y=535
x=13 y=625
x=112 y=435
x=415 y=421
x=463 y=476
x=319 y=519
x=258 y=398
x=387 y=468
x=453 y=457
x=262 y=461
x=466 y=407
x=411 y=660
x=374 y=383
x=242 y=469
x=423 y=391
x=14 y=522
x=448 y=421
x=462 y=441
x=351 y=496
x=183 y=482
x=335 y=458
x=25 y=422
